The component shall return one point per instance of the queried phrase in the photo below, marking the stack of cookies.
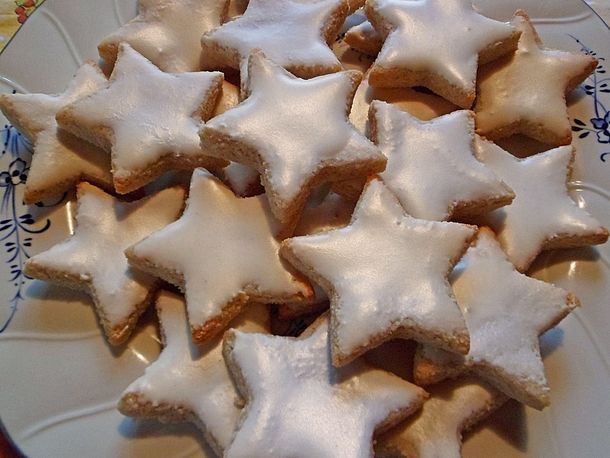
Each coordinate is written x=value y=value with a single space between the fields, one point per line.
x=231 y=170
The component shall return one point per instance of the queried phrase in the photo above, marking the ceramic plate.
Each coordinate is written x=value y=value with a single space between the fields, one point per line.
x=60 y=381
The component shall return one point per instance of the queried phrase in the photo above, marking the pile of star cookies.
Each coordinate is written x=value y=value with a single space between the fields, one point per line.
x=375 y=206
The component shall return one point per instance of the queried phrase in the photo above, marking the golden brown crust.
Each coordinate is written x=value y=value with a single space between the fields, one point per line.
x=108 y=51
x=560 y=241
x=126 y=182
x=146 y=265
x=136 y=405
x=381 y=76
x=100 y=136
x=465 y=211
x=215 y=325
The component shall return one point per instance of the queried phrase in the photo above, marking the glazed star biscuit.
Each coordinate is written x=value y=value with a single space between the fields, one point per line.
x=543 y=215
x=431 y=166
x=294 y=34
x=189 y=382
x=436 y=430
x=92 y=258
x=278 y=131
x=168 y=32
x=505 y=312
x=525 y=93
x=147 y=119
x=415 y=54
x=386 y=276
x=60 y=159
x=298 y=404
x=222 y=253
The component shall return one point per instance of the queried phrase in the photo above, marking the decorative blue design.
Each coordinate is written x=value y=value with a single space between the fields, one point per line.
x=16 y=225
x=596 y=85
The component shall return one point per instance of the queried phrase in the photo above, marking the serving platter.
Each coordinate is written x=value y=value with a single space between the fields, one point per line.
x=60 y=381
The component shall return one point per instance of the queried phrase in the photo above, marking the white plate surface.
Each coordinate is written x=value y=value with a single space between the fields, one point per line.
x=60 y=381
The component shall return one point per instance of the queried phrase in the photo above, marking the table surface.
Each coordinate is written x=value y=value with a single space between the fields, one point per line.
x=14 y=12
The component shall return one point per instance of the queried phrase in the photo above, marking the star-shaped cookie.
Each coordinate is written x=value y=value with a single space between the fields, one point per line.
x=386 y=276
x=149 y=120
x=414 y=53
x=168 y=32
x=525 y=93
x=189 y=382
x=452 y=408
x=431 y=166
x=292 y=33
x=300 y=405
x=60 y=159
x=542 y=214
x=92 y=258
x=506 y=312
x=279 y=130
x=222 y=252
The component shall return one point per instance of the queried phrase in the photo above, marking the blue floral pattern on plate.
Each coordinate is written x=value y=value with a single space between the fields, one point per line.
x=17 y=225
x=598 y=83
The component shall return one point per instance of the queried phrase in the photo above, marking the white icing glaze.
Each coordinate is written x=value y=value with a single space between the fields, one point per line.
x=289 y=32
x=431 y=165
x=105 y=227
x=386 y=272
x=505 y=312
x=168 y=32
x=151 y=113
x=223 y=246
x=302 y=406
x=542 y=206
x=195 y=377
x=68 y=157
x=436 y=430
x=529 y=87
x=281 y=120
x=414 y=42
